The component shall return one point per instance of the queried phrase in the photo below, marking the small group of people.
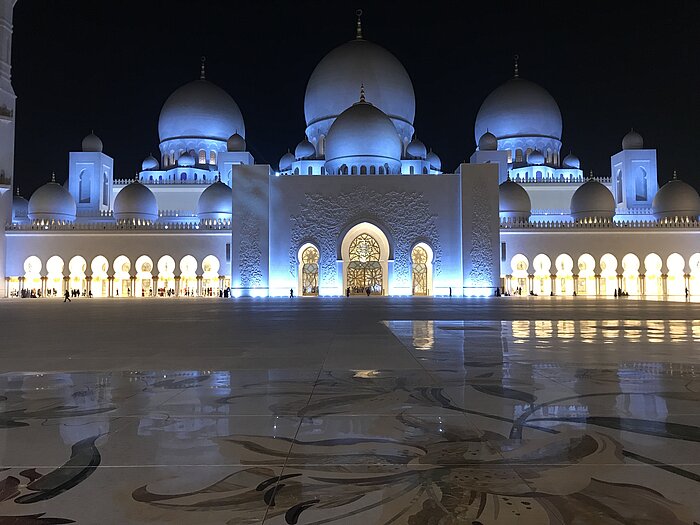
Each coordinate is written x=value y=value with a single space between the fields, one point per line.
x=357 y=290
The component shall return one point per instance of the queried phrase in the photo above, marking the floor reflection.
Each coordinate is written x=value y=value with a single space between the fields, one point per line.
x=500 y=422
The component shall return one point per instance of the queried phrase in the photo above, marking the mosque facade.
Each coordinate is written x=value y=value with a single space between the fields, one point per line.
x=360 y=206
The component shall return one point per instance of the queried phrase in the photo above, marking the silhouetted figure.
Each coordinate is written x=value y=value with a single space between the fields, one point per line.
x=450 y=291
x=687 y=293
x=291 y=293
x=347 y=292
x=66 y=297
x=369 y=291
x=615 y=293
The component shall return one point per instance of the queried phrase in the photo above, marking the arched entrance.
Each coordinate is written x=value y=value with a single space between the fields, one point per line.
x=308 y=270
x=422 y=269
x=122 y=278
x=608 y=274
x=32 y=275
x=694 y=263
x=519 y=278
x=652 y=275
x=188 y=276
x=543 y=277
x=54 y=276
x=77 y=267
x=100 y=279
x=166 y=276
x=365 y=251
x=565 y=277
x=144 y=277
x=586 y=275
x=210 y=276
x=675 y=277
x=630 y=274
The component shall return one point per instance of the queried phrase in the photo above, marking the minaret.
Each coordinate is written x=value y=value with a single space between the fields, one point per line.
x=7 y=131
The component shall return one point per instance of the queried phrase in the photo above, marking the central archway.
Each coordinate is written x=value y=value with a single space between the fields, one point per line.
x=365 y=252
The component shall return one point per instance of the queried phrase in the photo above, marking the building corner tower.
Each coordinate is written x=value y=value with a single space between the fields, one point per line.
x=7 y=131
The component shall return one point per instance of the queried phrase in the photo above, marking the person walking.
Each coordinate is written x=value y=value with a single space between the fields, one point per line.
x=66 y=297
x=291 y=293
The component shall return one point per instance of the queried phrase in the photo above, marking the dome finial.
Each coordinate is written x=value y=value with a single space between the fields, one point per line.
x=53 y=176
x=358 y=27
x=18 y=191
x=675 y=175
x=590 y=175
x=362 y=92
x=515 y=66
x=202 y=73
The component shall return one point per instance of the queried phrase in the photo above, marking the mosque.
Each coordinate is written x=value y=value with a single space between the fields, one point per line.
x=360 y=206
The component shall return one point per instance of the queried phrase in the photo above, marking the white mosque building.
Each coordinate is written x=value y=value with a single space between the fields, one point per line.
x=360 y=206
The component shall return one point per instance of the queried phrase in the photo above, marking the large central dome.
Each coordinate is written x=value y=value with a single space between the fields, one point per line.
x=519 y=108
x=200 y=110
x=334 y=84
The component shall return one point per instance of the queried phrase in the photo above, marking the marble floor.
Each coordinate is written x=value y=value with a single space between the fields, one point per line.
x=350 y=411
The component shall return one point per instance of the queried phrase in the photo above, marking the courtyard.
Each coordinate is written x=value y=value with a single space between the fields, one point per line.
x=361 y=410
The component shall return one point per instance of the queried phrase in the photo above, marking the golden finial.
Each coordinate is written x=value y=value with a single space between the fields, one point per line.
x=362 y=92
x=675 y=175
x=358 y=28
x=53 y=176
x=202 y=75
x=515 y=66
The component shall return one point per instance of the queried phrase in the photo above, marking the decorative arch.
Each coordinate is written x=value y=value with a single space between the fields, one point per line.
x=519 y=265
x=308 y=258
x=608 y=274
x=543 y=278
x=586 y=275
x=365 y=254
x=166 y=276
x=84 y=187
x=694 y=281
x=564 y=265
x=422 y=269
x=630 y=274
x=652 y=275
x=122 y=276
x=55 y=275
x=100 y=279
x=640 y=185
x=77 y=267
x=675 y=276
x=210 y=275
x=188 y=276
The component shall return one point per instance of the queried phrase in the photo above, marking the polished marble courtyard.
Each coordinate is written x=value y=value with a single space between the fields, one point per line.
x=350 y=411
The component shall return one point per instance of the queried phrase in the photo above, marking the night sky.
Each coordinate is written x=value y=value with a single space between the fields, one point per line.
x=109 y=66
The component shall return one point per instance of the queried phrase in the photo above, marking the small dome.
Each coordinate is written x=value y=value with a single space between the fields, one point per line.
x=632 y=140
x=488 y=142
x=92 y=143
x=215 y=202
x=186 y=160
x=304 y=150
x=592 y=200
x=200 y=110
x=434 y=160
x=135 y=201
x=235 y=143
x=363 y=135
x=52 y=202
x=513 y=201
x=286 y=161
x=416 y=149
x=572 y=161
x=536 y=157
x=150 y=163
x=676 y=199
x=20 y=207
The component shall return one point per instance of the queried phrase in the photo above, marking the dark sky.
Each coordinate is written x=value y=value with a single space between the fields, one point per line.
x=109 y=65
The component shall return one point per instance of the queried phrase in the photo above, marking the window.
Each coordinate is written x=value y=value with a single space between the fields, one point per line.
x=618 y=186
x=640 y=185
x=212 y=157
x=310 y=171
x=202 y=157
x=354 y=170
x=363 y=170
x=84 y=187
x=372 y=170
x=105 y=190
x=183 y=176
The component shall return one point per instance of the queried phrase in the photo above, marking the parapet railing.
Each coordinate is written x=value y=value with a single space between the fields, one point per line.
x=511 y=224
x=113 y=226
x=166 y=182
x=558 y=180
